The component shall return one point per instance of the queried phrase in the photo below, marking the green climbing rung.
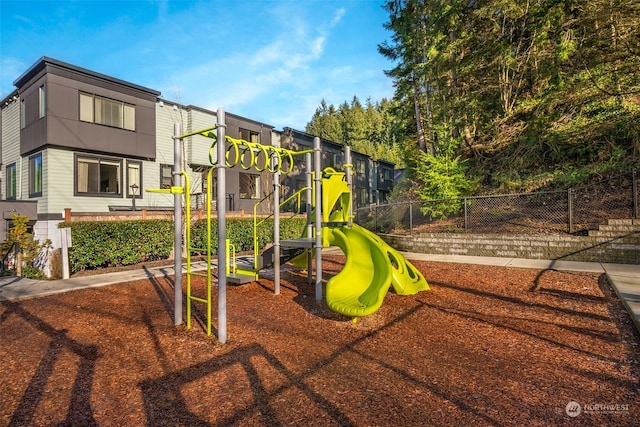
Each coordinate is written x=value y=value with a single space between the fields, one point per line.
x=172 y=190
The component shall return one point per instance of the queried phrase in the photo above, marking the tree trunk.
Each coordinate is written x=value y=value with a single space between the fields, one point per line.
x=422 y=142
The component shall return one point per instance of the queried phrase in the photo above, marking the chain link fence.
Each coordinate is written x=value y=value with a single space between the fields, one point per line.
x=574 y=211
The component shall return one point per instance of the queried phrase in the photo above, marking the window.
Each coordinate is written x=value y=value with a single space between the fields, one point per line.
x=134 y=179
x=250 y=136
x=329 y=160
x=86 y=107
x=387 y=175
x=98 y=176
x=361 y=196
x=35 y=175
x=129 y=117
x=11 y=182
x=23 y=114
x=249 y=186
x=109 y=112
x=360 y=166
x=166 y=179
x=41 y=102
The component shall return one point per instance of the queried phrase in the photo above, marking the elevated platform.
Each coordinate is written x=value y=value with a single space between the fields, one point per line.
x=239 y=279
x=245 y=264
x=303 y=242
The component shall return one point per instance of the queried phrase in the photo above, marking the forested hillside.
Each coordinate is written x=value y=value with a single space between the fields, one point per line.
x=502 y=95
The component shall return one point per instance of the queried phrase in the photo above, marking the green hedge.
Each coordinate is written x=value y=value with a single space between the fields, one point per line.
x=99 y=244
x=240 y=233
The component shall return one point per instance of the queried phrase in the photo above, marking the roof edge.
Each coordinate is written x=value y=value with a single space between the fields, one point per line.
x=43 y=61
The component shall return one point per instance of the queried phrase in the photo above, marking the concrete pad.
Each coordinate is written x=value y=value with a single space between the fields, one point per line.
x=587 y=267
x=18 y=288
x=623 y=270
x=12 y=288
x=633 y=308
x=25 y=288
x=626 y=290
x=459 y=259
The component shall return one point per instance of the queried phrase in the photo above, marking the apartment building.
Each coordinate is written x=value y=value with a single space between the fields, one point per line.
x=76 y=139
x=372 y=179
x=72 y=138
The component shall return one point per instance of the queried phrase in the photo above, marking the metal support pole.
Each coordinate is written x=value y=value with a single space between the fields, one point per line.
x=222 y=224
x=276 y=224
x=177 y=225
x=570 y=209
x=348 y=170
x=410 y=218
x=634 y=187
x=308 y=208
x=375 y=218
x=318 y=178
x=466 y=215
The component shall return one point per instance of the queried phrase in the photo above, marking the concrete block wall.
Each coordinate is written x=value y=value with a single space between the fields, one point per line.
x=616 y=242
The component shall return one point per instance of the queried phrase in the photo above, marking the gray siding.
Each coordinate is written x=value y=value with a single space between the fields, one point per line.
x=61 y=125
x=197 y=146
x=166 y=116
x=10 y=141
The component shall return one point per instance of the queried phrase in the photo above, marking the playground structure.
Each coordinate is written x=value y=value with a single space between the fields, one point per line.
x=371 y=267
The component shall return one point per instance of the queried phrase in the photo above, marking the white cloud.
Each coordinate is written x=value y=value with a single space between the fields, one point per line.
x=317 y=47
x=341 y=72
x=10 y=70
x=275 y=77
x=271 y=61
x=337 y=17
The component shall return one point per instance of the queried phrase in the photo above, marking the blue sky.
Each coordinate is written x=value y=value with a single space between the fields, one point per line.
x=268 y=60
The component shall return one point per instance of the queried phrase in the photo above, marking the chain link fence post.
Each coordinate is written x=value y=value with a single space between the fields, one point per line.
x=410 y=218
x=634 y=188
x=465 y=214
x=375 y=219
x=570 y=209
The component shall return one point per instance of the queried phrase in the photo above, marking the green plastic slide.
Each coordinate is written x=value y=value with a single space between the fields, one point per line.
x=371 y=267
x=371 y=264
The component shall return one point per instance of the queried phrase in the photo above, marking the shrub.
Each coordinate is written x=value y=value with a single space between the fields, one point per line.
x=240 y=233
x=55 y=264
x=444 y=179
x=97 y=244
x=30 y=248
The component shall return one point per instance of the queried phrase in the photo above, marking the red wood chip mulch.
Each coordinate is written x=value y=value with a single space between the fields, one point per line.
x=485 y=346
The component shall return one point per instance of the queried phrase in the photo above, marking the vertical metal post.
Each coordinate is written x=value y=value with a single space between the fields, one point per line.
x=375 y=218
x=410 y=218
x=634 y=187
x=177 y=225
x=308 y=208
x=570 y=209
x=276 y=224
x=348 y=170
x=222 y=225
x=65 y=244
x=318 y=178
x=466 y=218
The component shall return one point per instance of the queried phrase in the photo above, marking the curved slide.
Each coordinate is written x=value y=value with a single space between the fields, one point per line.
x=371 y=267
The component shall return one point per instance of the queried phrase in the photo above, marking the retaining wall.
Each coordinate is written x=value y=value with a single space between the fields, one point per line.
x=617 y=242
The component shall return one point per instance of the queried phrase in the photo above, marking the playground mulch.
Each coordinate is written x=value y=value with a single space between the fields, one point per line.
x=485 y=346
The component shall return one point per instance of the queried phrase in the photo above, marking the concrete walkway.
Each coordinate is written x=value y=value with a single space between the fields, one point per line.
x=624 y=278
